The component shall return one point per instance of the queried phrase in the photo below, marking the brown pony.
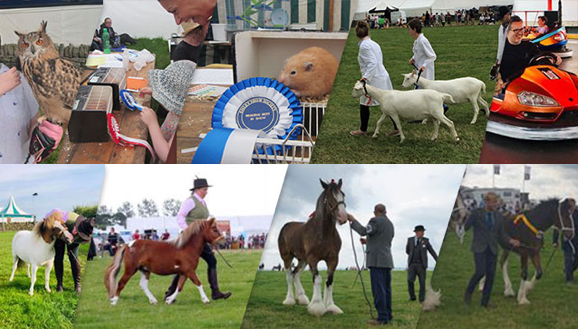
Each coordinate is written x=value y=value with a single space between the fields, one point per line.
x=179 y=256
x=312 y=242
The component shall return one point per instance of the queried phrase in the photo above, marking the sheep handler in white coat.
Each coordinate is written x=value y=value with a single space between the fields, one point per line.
x=370 y=60
x=423 y=54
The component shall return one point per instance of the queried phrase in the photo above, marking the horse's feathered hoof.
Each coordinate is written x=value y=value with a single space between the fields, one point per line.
x=289 y=301
x=113 y=300
x=153 y=301
x=206 y=300
x=509 y=293
x=333 y=309
x=302 y=300
x=524 y=301
x=317 y=309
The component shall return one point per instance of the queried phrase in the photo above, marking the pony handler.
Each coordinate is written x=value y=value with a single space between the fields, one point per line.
x=36 y=248
x=312 y=242
x=179 y=256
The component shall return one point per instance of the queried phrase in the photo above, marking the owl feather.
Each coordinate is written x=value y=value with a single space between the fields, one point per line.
x=54 y=80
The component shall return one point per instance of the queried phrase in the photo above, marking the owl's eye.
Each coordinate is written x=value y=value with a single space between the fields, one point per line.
x=39 y=41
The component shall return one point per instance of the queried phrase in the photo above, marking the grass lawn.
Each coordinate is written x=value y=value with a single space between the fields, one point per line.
x=552 y=302
x=43 y=310
x=265 y=308
x=461 y=51
x=157 y=46
x=134 y=311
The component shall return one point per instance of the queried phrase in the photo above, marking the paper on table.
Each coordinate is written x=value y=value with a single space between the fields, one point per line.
x=95 y=60
x=205 y=90
x=213 y=77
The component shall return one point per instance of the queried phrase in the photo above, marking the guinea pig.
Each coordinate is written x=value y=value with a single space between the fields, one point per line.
x=310 y=73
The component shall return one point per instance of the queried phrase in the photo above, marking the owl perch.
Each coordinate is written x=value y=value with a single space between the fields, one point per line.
x=54 y=80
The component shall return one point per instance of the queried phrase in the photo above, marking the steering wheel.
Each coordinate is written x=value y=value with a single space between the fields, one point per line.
x=545 y=58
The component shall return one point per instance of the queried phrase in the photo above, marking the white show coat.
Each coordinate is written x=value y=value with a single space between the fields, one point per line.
x=424 y=55
x=501 y=42
x=370 y=60
x=17 y=108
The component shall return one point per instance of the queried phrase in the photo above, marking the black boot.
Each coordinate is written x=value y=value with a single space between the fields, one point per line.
x=59 y=287
x=215 y=293
x=74 y=267
x=172 y=287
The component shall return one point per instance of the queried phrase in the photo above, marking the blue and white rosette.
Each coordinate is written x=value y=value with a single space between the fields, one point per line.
x=259 y=104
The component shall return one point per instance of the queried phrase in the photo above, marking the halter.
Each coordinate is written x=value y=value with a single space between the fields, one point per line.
x=418 y=75
x=363 y=82
x=562 y=226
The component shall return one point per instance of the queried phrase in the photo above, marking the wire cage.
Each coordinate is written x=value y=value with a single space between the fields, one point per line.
x=297 y=151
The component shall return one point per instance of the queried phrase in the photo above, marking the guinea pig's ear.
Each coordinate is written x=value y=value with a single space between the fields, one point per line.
x=308 y=66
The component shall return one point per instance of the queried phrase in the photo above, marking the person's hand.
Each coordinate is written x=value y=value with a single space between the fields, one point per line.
x=558 y=59
x=350 y=217
x=412 y=61
x=555 y=245
x=148 y=116
x=145 y=91
x=514 y=242
x=363 y=240
x=421 y=69
x=9 y=80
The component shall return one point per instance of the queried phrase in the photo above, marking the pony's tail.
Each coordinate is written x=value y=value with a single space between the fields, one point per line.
x=111 y=273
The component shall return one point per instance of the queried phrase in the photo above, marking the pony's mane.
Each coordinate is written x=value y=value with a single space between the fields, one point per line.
x=188 y=233
x=41 y=227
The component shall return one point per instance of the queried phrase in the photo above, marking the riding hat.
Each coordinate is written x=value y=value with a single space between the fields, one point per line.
x=200 y=183
x=419 y=228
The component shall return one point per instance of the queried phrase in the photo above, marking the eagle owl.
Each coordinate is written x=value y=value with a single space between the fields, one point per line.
x=54 y=80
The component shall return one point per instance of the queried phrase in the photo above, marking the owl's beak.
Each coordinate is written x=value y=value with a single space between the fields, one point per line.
x=32 y=49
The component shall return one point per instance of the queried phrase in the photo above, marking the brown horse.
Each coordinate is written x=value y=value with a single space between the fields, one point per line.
x=311 y=242
x=179 y=256
x=528 y=228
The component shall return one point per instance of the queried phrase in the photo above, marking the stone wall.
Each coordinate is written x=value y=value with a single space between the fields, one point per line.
x=77 y=54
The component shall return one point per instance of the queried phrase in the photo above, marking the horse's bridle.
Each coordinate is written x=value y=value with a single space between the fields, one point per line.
x=563 y=227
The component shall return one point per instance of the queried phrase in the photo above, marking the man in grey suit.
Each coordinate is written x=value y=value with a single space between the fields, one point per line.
x=379 y=232
x=488 y=227
x=417 y=248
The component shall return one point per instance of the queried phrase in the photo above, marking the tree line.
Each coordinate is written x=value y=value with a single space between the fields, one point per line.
x=107 y=216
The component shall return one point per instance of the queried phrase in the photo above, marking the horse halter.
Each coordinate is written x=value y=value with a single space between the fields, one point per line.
x=562 y=226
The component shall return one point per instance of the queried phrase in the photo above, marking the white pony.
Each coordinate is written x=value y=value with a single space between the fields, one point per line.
x=36 y=248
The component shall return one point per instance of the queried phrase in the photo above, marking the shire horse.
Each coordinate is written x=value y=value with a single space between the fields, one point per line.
x=458 y=217
x=528 y=227
x=179 y=256
x=311 y=242
x=36 y=248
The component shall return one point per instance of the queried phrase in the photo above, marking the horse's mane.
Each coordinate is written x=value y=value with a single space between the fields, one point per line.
x=319 y=206
x=188 y=233
x=41 y=227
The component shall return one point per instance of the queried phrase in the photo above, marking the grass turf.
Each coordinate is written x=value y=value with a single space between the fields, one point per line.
x=552 y=302
x=157 y=46
x=43 y=310
x=134 y=311
x=265 y=308
x=461 y=51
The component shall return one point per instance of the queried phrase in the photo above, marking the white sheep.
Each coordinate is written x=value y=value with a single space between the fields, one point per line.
x=410 y=105
x=463 y=90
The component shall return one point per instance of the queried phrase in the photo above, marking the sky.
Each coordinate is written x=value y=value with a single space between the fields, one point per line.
x=546 y=181
x=413 y=195
x=58 y=186
x=237 y=190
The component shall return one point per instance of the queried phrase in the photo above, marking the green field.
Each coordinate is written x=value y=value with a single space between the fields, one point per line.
x=134 y=311
x=265 y=308
x=552 y=302
x=461 y=52
x=43 y=310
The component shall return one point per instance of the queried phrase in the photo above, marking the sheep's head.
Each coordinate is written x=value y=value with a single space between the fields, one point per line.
x=358 y=90
x=409 y=79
